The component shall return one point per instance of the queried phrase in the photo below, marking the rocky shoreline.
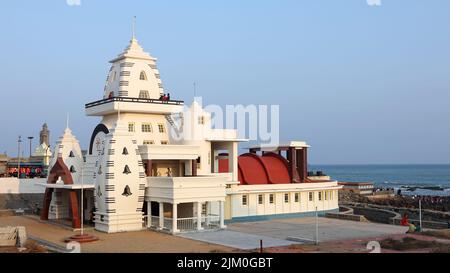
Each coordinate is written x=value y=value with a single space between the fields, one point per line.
x=437 y=203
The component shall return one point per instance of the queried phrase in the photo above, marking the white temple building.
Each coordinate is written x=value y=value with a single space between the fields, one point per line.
x=155 y=164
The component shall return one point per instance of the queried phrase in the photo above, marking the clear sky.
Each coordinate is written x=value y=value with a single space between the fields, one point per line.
x=361 y=84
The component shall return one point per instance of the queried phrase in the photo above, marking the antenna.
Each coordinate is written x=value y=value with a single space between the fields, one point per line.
x=134 y=27
x=67 y=121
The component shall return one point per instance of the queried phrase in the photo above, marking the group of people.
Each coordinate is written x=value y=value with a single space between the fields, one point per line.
x=433 y=200
x=411 y=227
x=165 y=97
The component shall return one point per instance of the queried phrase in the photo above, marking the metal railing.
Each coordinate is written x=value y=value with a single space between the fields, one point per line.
x=137 y=100
x=154 y=221
x=211 y=221
x=186 y=224
x=167 y=223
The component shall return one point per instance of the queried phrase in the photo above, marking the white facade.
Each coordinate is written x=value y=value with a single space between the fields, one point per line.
x=260 y=200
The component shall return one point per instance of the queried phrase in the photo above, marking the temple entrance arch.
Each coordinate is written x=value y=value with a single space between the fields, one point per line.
x=61 y=172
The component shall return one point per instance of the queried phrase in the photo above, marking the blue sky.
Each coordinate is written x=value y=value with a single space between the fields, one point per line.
x=361 y=84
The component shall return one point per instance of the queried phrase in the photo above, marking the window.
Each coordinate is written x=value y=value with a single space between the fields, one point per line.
x=297 y=197
x=260 y=199
x=326 y=195
x=131 y=127
x=72 y=169
x=126 y=170
x=271 y=199
x=320 y=196
x=146 y=128
x=201 y=120
x=161 y=128
x=143 y=94
x=148 y=142
x=244 y=200
x=311 y=196
x=143 y=76
x=204 y=208
x=164 y=142
x=286 y=198
x=124 y=151
x=71 y=154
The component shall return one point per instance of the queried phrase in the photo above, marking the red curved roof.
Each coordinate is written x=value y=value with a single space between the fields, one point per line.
x=252 y=170
x=277 y=168
x=268 y=169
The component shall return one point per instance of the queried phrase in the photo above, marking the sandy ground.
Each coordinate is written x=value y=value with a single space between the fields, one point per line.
x=136 y=242
x=337 y=236
x=354 y=245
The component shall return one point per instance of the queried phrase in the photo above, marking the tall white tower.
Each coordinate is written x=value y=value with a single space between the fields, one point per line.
x=132 y=114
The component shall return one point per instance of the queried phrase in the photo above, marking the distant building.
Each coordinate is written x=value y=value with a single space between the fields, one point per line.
x=3 y=165
x=44 y=135
x=363 y=188
x=43 y=152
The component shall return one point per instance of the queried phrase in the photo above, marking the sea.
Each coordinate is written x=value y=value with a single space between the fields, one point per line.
x=431 y=180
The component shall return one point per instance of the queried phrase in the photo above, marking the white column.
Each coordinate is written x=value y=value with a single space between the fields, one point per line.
x=149 y=214
x=216 y=161
x=222 y=214
x=208 y=212
x=161 y=215
x=199 y=215
x=233 y=160
x=174 y=218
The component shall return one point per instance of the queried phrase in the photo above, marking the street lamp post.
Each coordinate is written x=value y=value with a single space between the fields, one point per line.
x=31 y=139
x=18 y=156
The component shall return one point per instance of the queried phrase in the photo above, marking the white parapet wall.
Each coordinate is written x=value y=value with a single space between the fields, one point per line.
x=11 y=185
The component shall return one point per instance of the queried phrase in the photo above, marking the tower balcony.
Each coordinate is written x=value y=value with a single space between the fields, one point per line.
x=133 y=105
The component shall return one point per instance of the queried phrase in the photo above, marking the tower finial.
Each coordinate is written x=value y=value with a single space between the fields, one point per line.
x=134 y=28
x=67 y=121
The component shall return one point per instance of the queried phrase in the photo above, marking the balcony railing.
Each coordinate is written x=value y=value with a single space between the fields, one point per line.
x=188 y=224
x=135 y=100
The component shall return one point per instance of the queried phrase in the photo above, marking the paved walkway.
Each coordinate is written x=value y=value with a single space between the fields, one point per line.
x=145 y=241
x=236 y=239
x=329 y=229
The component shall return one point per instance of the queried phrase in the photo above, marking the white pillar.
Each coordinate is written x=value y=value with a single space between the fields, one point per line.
x=149 y=214
x=222 y=214
x=174 y=218
x=199 y=215
x=233 y=160
x=161 y=215
x=208 y=212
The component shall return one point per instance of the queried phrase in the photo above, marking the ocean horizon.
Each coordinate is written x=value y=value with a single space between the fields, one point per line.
x=419 y=178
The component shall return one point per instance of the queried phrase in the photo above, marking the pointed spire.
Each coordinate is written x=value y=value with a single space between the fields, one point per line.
x=67 y=131
x=133 y=37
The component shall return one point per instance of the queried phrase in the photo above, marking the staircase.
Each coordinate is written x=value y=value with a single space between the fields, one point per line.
x=176 y=127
